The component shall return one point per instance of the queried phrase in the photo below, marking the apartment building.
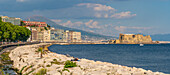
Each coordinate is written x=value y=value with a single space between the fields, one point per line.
x=57 y=35
x=40 y=34
x=35 y=24
x=72 y=36
x=13 y=20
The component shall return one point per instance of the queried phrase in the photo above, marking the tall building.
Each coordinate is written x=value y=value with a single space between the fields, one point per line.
x=13 y=20
x=34 y=34
x=36 y=24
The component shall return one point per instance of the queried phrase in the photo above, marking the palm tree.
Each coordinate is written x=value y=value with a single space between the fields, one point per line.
x=41 y=50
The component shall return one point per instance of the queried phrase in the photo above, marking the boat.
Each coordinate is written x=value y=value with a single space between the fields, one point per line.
x=141 y=44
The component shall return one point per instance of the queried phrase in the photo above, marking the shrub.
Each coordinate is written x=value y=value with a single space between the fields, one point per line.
x=5 y=58
x=41 y=72
x=20 y=72
x=56 y=62
x=65 y=70
x=48 y=66
x=70 y=64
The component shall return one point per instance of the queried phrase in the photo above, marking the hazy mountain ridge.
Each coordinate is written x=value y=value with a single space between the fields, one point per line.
x=57 y=26
x=161 y=37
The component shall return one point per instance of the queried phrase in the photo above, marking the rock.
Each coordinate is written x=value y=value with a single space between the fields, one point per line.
x=26 y=56
x=76 y=73
x=54 y=72
x=65 y=73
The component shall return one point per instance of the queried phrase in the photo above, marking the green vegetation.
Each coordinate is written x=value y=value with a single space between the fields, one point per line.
x=48 y=26
x=0 y=19
x=41 y=72
x=10 y=32
x=48 y=66
x=45 y=28
x=65 y=70
x=22 y=23
x=24 y=69
x=4 y=61
x=20 y=72
x=70 y=64
x=5 y=58
x=56 y=62
x=40 y=50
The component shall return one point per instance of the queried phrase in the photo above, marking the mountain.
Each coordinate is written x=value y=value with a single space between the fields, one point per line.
x=161 y=37
x=85 y=35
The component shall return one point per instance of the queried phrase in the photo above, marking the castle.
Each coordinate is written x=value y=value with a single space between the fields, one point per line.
x=132 y=39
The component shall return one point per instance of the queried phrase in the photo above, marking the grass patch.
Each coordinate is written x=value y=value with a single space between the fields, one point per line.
x=56 y=62
x=48 y=66
x=5 y=58
x=65 y=70
x=42 y=71
x=70 y=64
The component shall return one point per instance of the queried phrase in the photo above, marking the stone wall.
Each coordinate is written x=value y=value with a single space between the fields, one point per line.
x=134 y=39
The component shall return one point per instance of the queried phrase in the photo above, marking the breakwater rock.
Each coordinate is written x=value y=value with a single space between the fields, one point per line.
x=28 y=61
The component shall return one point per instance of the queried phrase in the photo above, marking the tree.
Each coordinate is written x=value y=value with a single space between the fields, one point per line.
x=40 y=50
x=22 y=23
x=6 y=36
x=45 y=28
x=11 y=32
x=13 y=36
x=0 y=19
x=48 y=26
x=0 y=35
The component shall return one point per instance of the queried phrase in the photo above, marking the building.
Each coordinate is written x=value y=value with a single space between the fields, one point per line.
x=46 y=35
x=34 y=34
x=75 y=36
x=132 y=39
x=13 y=20
x=40 y=34
x=35 y=24
x=72 y=36
x=57 y=35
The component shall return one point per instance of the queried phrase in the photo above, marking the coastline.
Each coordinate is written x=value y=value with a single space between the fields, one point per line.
x=26 y=56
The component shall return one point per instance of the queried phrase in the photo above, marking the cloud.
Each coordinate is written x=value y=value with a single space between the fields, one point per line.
x=123 y=15
x=131 y=29
x=78 y=11
x=102 y=28
x=57 y=21
x=104 y=11
x=30 y=5
x=92 y=24
x=97 y=7
x=71 y=24
x=20 y=0
x=89 y=24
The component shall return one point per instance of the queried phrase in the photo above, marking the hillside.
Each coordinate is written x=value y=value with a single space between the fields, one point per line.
x=161 y=37
x=85 y=35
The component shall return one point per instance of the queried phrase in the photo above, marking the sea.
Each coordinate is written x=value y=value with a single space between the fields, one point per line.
x=154 y=57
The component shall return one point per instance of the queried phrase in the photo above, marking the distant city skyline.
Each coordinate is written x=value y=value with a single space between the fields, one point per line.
x=98 y=16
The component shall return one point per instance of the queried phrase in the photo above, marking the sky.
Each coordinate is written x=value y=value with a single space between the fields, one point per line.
x=106 y=17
